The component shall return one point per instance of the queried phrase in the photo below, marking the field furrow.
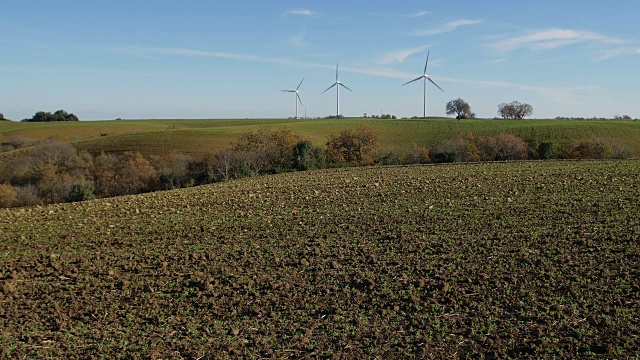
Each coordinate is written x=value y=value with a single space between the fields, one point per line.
x=506 y=260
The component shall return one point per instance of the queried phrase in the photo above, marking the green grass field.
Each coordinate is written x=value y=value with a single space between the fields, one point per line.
x=199 y=136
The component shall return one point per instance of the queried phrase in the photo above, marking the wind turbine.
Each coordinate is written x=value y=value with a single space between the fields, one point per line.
x=297 y=98
x=337 y=84
x=425 y=77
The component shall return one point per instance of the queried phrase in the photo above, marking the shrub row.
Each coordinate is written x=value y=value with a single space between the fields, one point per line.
x=510 y=147
x=54 y=171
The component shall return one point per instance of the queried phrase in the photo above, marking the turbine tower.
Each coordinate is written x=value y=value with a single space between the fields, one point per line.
x=297 y=98
x=425 y=77
x=337 y=84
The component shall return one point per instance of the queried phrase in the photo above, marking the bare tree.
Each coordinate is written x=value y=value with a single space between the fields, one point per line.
x=221 y=168
x=51 y=152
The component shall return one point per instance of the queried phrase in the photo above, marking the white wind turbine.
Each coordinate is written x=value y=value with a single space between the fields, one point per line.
x=337 y=84
x=425 y=77
x=297 y=98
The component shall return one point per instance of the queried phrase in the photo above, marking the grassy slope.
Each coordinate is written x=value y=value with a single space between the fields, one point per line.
x=508 y=260
x=198 y=136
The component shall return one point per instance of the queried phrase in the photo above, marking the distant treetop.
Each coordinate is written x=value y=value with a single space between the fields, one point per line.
x=59 y=115
x=515 y=110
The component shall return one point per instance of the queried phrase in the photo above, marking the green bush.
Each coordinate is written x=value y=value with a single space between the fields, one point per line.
x=391 y=157
x=444 y=157
x=454 y=150
x=593 y=149
x=80 y=192
x=306 y=156
x=546 y=150
x=59 y=115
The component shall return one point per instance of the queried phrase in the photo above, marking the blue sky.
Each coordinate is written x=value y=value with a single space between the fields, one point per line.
x=230 y=59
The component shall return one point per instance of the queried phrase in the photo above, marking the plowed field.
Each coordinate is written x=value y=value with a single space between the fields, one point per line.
x=532 y=259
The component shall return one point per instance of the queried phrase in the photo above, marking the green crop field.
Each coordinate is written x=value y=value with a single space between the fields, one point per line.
x=199 y=136
x=499 y=260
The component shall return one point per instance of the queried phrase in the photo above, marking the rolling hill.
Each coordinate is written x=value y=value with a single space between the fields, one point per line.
x=199 y=136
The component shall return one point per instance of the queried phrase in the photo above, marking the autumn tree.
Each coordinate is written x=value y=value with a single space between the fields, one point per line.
x=173 y=170
x=8 y=196
x=54 y=184
x=460 y=108
x=515 y=110
x=129 y=173
x=510 y=147
x=135 y=173
x=267 y=151
x=356 y=148
x=105 y=175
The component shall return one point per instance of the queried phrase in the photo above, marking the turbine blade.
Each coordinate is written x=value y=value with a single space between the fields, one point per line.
x=434 y=83
x=426 y=63
x=409 y=82
x=289 y=90
x=330 y=87
x=298 y=95
x=345 y=86
x=300 y=84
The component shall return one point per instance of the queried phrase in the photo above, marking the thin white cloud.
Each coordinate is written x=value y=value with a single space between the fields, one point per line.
x=617 y=52
x=559 y=95
x=556 y=94
x=305 y=12
x=155 y=51
x=448 y=27
x=497 y=61
x=553 y=38
x=399 y=56
x=417 y=14
x=299 y=40
x=436 y=63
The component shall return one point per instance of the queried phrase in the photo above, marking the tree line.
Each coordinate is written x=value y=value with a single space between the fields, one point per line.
x=458 y=107
x=59 y=115
x=54 y=171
